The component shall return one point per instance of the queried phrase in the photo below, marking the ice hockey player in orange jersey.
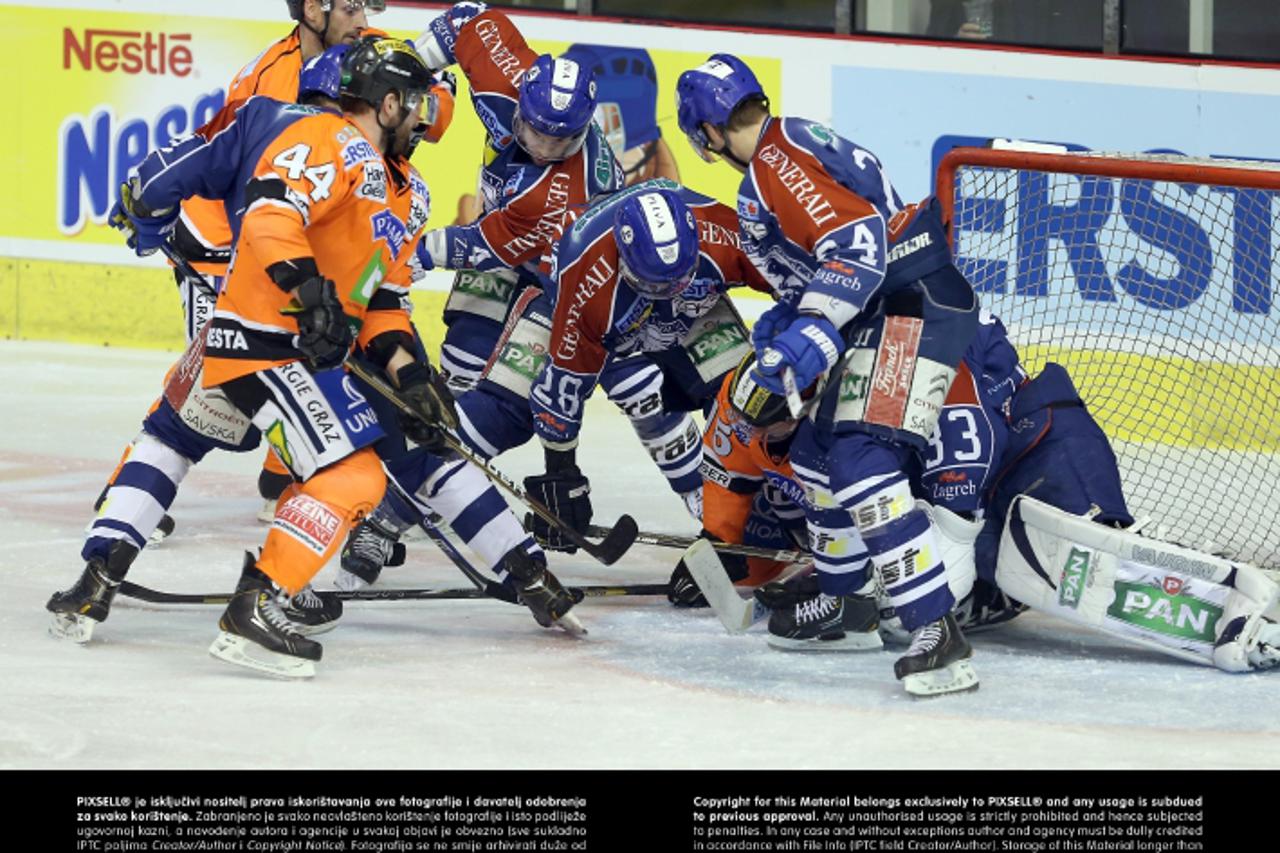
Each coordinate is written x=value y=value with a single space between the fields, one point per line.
x=317 y=241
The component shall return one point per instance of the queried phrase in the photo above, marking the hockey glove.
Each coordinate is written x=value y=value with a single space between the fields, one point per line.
x=780 y=595
x=567 y=494
x=809 y=347
x=145 y=230
x=448 y=80
x=682 y=590
x=423 y=252
x=434 y=415
x=324 y=335
x=772 y=323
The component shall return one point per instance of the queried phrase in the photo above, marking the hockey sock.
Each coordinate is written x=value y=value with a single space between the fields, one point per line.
x=472 y=507
x=312 y=518
x=141 y=492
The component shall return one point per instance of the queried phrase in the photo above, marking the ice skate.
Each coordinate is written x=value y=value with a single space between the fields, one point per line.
x=312 y=612
x=164 y=529
x=78 y=610
x=540 y=591
x=844 y=623
x=256 y=633
x=937 y=661
x=271 y=486
x=369 y=548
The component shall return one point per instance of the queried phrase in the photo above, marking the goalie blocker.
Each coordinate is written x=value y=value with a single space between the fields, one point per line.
x=1185 y=603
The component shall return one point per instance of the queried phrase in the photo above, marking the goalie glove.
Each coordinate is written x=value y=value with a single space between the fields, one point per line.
x=324 y=335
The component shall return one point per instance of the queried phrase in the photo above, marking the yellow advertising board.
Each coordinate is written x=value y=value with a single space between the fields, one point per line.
x=97 y=90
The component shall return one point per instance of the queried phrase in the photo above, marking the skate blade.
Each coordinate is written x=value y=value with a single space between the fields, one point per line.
x=71 y=626
x=958 y=677
x=312 y=630
x=570 y=624
x=868 y=641
x=241 y=652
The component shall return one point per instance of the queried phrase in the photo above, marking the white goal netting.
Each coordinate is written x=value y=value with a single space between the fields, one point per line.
x=1154 y=281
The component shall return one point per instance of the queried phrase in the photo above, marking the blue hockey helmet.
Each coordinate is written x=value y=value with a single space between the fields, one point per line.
x=710 y=93
x=322 y=75
x=557 y=103
x=657 y=241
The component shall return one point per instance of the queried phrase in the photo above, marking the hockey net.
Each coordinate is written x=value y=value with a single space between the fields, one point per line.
x=1153 y=280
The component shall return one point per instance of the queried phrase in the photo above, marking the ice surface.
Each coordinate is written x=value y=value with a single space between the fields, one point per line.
x=462 y=684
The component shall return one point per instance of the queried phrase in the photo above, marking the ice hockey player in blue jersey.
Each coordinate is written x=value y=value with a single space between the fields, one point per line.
x=871 y=303
x=659 y=357
x=1028 y=451
x=545 y=160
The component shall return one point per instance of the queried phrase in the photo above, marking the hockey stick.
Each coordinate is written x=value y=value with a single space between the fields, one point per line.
x=191 y=273
x=794 y=404
x=670 y=540
x=445 y=544
x=153 y=596
x=616 y=540
x=736 y=613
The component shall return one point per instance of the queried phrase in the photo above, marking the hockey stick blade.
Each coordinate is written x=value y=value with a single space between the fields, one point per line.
x=670 y=540
x=736 y=613
x=153 y=596
x=615 y=544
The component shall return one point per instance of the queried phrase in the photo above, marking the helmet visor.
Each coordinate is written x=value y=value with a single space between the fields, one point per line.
x=371 y=7
x=544 y=147
x=700 y=148
x=656 y=289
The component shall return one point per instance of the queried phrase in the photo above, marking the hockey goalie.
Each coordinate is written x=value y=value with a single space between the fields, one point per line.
x=1024 y=491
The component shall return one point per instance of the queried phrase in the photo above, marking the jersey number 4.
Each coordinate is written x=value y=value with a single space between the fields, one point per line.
x=295 y=161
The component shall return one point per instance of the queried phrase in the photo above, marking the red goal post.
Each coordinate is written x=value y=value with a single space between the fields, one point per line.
x=1155 y=280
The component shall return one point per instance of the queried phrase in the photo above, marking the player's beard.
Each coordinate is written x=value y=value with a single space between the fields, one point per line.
x=399 y=139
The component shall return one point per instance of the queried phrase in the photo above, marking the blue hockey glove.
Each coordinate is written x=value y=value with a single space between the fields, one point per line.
x=808 y=347
x=145 y=230
x=771 y=323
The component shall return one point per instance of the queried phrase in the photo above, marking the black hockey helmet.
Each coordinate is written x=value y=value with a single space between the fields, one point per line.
x=378 y=64
x=751 y=401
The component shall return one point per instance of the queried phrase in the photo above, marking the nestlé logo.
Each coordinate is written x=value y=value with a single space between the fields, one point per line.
x=129 y=51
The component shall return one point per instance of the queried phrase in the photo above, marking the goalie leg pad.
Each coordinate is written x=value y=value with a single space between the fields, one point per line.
x=1185 y=603
x=474 y=314
x=513 y=363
